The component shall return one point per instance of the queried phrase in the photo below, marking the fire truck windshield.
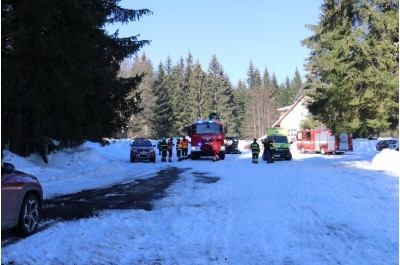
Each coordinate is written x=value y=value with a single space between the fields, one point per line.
x=208 y=128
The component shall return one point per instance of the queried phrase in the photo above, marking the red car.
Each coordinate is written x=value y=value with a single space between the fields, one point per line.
x=142 y=149
x=21 y=200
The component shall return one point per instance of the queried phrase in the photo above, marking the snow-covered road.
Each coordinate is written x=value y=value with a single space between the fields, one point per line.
x=338 y=209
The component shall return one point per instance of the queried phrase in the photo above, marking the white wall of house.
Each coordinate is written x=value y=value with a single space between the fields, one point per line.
x=294 y=118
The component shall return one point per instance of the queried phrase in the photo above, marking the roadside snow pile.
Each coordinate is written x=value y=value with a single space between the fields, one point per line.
x=387 y=160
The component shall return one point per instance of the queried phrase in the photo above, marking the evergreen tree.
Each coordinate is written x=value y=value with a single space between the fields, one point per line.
x=273 y=88
x=219 y=91
x=197 y=83
x=297 y=84
x=179 y=95
x=266 y=80
x=162 y=110
x=251 y=78
x=140 y=123
x=353 y=79
x=59 y=69
x=270 y=113
x=240 y=95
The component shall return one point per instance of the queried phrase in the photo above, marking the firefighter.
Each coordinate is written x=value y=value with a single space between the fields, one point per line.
x=163 y=146
x=170 y=145
x=255 y=150
x=179 y=149
x=267 y=150
x=185 y=144
x=213 y=115
x=216 y=146
x=272 y=147
x=159 y=146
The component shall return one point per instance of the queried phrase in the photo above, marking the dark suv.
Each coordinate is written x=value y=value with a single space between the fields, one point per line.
x=21 y=200
x=142 y=149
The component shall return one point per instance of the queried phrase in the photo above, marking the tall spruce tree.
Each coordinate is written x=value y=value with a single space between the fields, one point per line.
x=140 y=124
x=297 y=84
x=197 y=94
x=353 y=67
x=240 y=97
x=162 y=119
x=59 y=72
x=219 y=92
x=270 y=113
x=179 y=95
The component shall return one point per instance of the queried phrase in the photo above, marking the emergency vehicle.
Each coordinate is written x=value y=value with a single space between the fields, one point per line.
x=323 y=141
x=202 y=133
x=281 y=141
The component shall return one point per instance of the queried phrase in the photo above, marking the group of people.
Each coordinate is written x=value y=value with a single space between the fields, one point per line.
x=165 y=148
x=269 y=147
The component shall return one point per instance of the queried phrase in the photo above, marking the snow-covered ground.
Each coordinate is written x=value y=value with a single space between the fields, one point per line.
x=337 y=209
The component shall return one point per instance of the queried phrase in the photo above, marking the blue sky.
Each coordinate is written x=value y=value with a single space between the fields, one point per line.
x=266 y=32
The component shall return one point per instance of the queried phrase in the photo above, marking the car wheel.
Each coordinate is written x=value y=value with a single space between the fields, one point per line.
x=323 y=151
x=222 y=155
x=29 y=216
x=153 y=159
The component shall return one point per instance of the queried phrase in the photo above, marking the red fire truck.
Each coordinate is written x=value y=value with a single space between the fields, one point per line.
x=202 y=133
x=323 y=141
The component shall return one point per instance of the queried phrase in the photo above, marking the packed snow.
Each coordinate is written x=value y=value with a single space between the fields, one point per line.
x=314 y=209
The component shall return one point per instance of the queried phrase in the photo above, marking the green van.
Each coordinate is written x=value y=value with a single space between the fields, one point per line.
x=282 y=144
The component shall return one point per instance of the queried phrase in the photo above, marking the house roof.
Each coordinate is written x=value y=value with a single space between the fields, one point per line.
x=290 y=108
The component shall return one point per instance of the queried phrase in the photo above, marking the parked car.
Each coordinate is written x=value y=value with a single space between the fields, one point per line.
x=142 y=149
x=232 y=145
x=21 y=201
x=388 y=143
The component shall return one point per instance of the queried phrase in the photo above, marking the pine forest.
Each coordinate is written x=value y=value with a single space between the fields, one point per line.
x=175 y=94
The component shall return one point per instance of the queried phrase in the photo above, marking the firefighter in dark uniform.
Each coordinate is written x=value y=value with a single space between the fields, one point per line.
x=268 y=149
x=255 y=150
x=163 y=150
x=272 y=146
x=159 y=146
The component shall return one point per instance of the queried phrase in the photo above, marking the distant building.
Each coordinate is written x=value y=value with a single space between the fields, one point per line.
x=291 y=117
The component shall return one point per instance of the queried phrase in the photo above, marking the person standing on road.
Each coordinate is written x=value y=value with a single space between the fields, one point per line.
x=185 y=144
x=272 y=147
x=170 y=145
x=255 y=150
x=267 y=150
x=179 y=149
x=159 y=146
x=163 y=146
x=216 y=146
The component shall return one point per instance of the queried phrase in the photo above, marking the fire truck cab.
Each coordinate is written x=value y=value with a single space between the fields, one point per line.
x=323 y=141
x=202 y=133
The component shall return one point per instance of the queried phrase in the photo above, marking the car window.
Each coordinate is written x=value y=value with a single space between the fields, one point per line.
x=142 y=143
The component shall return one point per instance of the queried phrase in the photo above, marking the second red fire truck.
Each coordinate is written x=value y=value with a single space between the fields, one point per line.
x=323 y=141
